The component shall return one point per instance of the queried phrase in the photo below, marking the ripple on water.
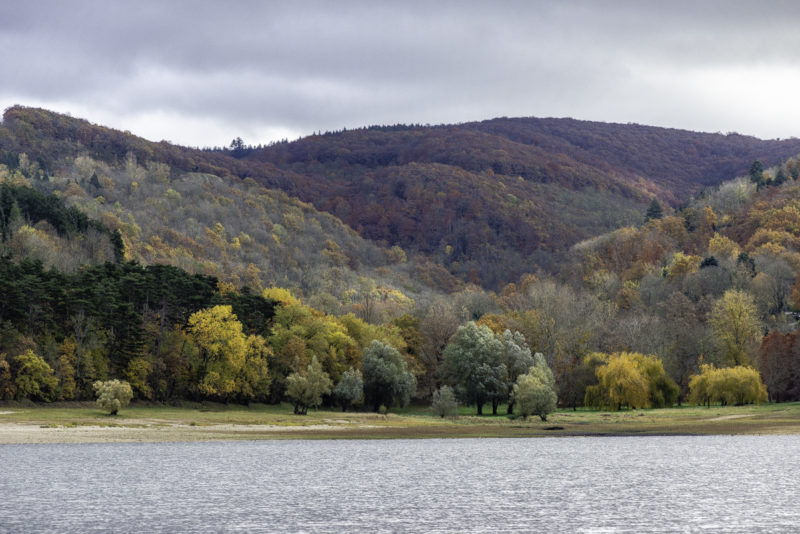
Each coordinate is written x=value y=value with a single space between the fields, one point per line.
x=645 y=484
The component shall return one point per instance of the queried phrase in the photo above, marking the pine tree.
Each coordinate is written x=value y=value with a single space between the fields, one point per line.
x=654 y=211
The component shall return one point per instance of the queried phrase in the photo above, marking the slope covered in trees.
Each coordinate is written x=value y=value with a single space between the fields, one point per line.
x=489 y=201
x=213 y=224
x=632 y=317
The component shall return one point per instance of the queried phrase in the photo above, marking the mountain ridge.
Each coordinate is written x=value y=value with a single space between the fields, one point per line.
x=489 y=200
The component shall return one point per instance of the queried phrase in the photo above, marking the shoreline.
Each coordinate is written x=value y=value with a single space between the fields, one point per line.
x=81 y=423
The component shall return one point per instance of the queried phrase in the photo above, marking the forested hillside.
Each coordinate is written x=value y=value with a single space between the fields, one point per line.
x=175 y=270
x=214 y=223
x=490 y=199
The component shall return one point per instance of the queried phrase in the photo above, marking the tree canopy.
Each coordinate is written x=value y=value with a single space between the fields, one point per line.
x=473 y=360
x=387 y=380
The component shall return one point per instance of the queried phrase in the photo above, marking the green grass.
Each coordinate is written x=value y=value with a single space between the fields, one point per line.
x=412 y=422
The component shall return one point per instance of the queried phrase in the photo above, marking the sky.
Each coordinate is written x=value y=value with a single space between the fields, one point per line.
x=199 y=73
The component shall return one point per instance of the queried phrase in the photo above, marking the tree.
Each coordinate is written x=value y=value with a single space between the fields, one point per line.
x=113 y=395
x=254 y=379
x=517 y=358
x=620 y=382
x=730 y=385
x=35 y=378
x=7 y=386
x=699 y=388
x=723 y=247
x=662 y=390
x=633 y=379
x=137 y=374
x=735 y=325
x=437 y=327
x=307 y=389
x=474 y=362
x=444 y=402
x=66 y=369
x=686 y=338
x=776 y=364
x=223 y=350
x=757 y=173
x=780 y=177
x=654 y=211
x=534 y=392
x=387 y=380
x=350 y=388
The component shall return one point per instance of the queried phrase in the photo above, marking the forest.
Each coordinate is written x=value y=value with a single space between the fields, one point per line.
x=190 y=278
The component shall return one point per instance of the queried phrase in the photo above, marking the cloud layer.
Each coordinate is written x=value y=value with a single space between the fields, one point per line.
x=200 y=73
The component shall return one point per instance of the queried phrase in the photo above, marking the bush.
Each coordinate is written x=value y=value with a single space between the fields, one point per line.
x=444 y=402
x=113 y=395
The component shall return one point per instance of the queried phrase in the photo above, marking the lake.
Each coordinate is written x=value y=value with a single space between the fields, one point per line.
x=628 y=484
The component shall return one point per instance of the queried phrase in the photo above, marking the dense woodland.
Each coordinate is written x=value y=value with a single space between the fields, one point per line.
x=179 y=271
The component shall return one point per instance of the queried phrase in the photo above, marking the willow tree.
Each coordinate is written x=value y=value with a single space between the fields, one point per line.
x=387 y=380
x=535 y=391
x=473 y=360
x=306 y=389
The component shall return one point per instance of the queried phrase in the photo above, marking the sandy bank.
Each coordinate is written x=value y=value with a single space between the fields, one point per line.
x=15 y=433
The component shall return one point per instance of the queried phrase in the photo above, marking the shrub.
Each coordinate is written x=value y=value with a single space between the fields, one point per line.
x=444 y=402
x=113 y=395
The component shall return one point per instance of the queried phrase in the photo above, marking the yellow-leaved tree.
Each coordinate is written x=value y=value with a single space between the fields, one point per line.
x=630 y=379
x=736 y=328
x=230 y=364
x=729 y=385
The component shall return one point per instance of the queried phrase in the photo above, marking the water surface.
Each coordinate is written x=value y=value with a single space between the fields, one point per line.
x=627 y=484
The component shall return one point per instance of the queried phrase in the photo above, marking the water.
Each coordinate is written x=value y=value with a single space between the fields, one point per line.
x=646 y=484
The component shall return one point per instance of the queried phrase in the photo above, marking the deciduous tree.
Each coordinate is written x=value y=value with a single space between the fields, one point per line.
x=350 y=388
x=535 y=391
x=735 y=324
x=306 y=389
x=729 y=385
x=223 y=350
x=34 y=378
x=387 y=380
x=113 y=395
x=474 y=362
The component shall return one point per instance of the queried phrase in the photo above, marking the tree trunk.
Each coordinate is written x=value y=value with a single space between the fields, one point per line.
x=495 y=403
x=510 y=409
x=480 y=408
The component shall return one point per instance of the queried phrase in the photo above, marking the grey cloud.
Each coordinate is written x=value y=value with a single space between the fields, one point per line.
x=305 y=66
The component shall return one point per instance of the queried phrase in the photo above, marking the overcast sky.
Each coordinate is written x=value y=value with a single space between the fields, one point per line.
x=201 y=73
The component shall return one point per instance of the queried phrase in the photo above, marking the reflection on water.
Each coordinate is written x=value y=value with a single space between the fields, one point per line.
x=647 y=484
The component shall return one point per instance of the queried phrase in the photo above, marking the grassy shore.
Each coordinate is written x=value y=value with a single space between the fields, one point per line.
x=85 y=423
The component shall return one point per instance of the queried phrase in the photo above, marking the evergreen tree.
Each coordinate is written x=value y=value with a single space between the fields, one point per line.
x=757 y=173
x=654 y=211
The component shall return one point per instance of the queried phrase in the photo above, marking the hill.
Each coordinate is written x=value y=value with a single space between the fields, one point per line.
x=713 y=280
x=495 y=199
x=187 y=208
x=488 y=201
